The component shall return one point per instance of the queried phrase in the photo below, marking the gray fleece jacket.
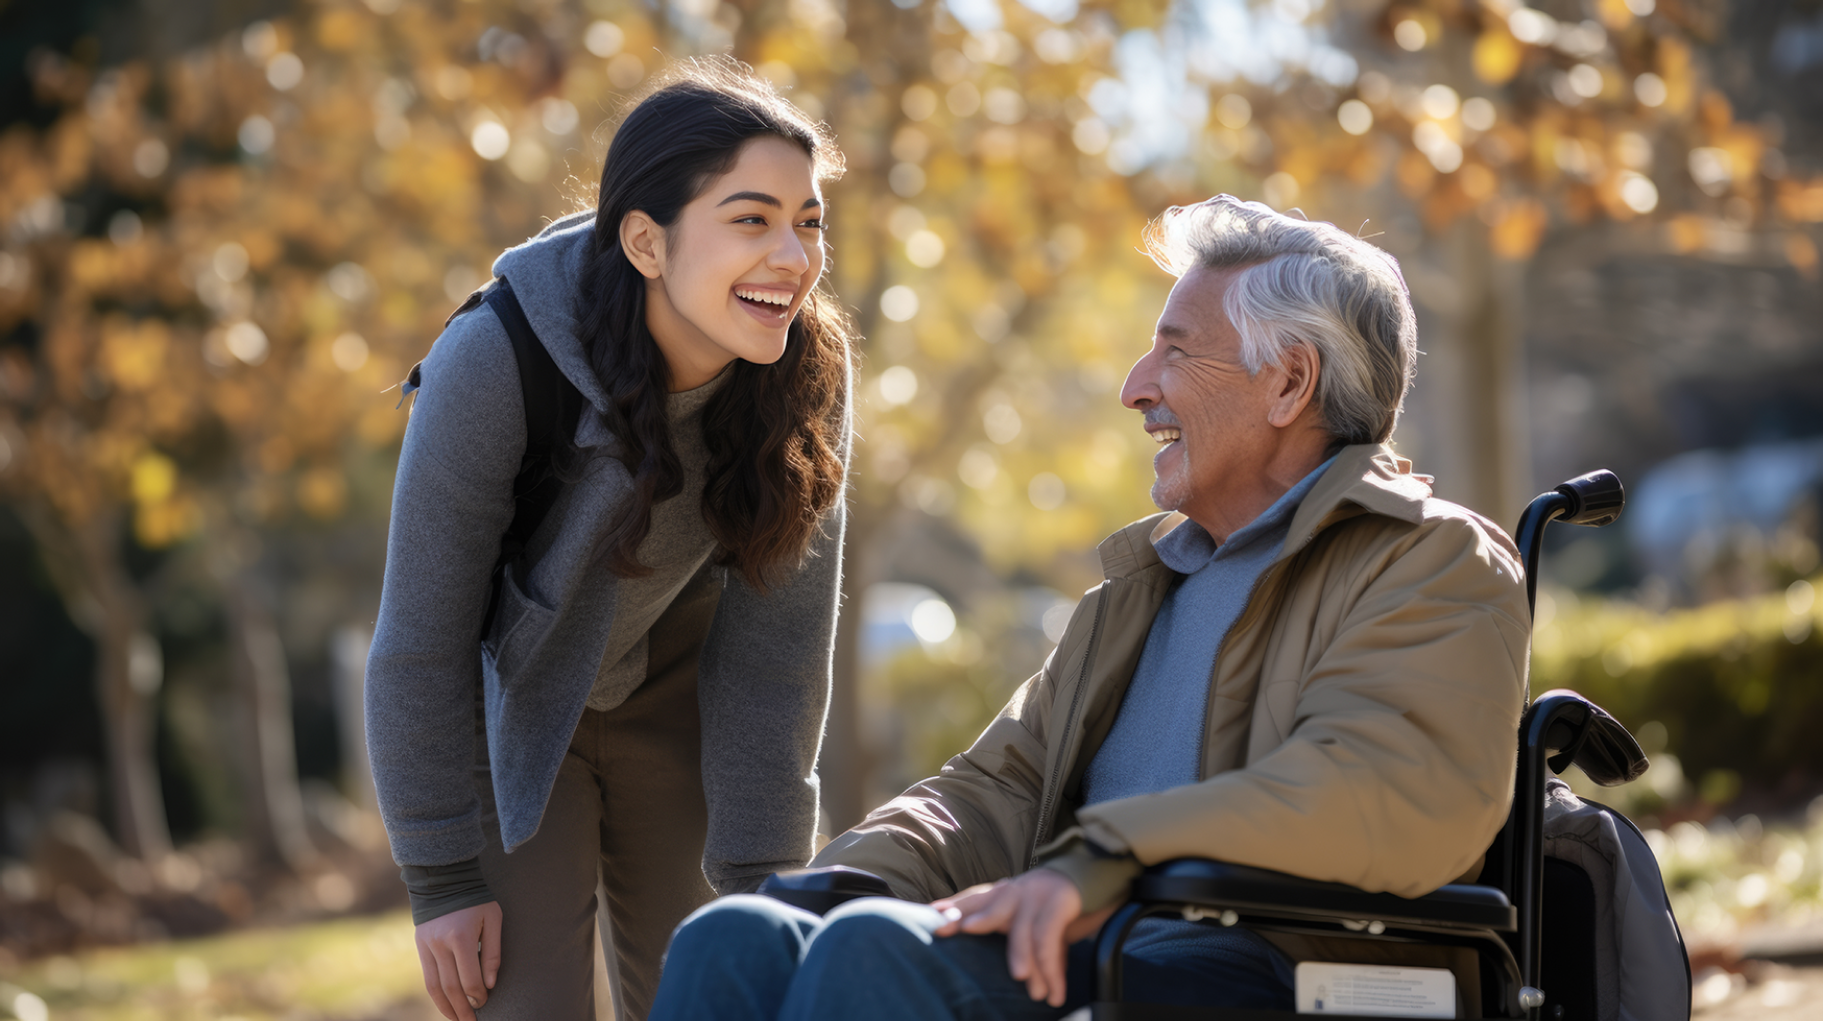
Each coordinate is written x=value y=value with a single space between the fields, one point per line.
x=765 y=668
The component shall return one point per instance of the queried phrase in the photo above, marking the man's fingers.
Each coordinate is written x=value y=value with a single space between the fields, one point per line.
x=960 y=905
x=992 y=916
x=1088 y=925
x=952 y=921
x=1019 y=961
x=450 y=977
x=490 y=946
x=433 y=983
x=1048 y=949
x=958 y=898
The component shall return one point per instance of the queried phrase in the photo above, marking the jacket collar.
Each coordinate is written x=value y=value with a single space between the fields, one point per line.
x=1365 y=477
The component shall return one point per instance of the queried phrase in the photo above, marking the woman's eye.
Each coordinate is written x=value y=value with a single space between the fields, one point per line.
x=814 y=225
x=756 y=218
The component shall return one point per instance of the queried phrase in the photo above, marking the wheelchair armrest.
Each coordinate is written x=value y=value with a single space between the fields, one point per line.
x=819 y=890
x=1583 y=732
x=1202 y=882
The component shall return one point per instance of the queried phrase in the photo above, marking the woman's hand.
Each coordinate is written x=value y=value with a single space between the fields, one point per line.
x=460 y=954
x=1041 y=913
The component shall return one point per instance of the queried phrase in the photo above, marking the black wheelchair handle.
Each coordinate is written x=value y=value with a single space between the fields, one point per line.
x=1595 y=499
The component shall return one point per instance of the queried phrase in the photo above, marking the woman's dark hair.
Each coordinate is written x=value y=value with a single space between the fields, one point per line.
x=772 y=431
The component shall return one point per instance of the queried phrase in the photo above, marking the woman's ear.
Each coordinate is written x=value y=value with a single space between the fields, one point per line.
x=1299 y=366
x=643 y=241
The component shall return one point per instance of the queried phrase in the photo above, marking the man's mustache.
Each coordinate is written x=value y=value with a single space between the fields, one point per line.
x=1158 y=414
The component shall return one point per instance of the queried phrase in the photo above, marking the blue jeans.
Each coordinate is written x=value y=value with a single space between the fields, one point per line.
x=752 y=958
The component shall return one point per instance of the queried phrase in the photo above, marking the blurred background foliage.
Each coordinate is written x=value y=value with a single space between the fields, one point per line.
x=230 y=228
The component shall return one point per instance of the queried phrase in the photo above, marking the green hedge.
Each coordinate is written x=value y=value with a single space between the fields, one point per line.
x=1737 y=685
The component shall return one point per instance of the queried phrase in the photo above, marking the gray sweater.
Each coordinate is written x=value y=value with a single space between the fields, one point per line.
x=1156 y=741
x=675 y=548
x=765 y=667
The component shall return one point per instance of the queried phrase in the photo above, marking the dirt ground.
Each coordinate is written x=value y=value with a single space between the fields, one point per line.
x=1768 y=992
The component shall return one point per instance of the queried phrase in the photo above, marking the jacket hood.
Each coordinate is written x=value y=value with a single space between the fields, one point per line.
x=545 y=272
x=1365 y=477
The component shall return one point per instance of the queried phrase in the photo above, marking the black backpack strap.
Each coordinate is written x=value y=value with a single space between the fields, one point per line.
x=553 y=406
x=415 y=378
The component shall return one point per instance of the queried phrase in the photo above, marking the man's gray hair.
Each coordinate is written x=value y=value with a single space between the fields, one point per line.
x=1311 y=283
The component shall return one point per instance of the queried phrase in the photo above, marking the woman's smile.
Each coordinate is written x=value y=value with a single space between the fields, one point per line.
x=771 y=305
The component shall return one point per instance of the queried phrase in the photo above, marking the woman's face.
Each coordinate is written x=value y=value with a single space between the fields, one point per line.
x=726 y=279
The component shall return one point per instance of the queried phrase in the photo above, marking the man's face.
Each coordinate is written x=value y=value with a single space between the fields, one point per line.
x=1207 y=414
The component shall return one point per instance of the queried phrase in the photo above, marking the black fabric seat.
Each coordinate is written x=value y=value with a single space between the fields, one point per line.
x=1223 y=887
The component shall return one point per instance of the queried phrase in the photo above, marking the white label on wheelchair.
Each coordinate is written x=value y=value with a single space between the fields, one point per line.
x=1375 y=991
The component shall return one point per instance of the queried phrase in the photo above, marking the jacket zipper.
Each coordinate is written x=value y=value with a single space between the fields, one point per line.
x=1276 y=568
x=1069 y=727
x=1215 y=669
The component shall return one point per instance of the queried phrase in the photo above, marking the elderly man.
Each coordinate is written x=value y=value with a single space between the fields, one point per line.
x=1309 y=664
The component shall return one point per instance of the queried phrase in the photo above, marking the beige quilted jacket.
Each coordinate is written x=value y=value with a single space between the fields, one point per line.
x=1360 y=727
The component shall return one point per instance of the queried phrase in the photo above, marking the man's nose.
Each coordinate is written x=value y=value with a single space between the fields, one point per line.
x=1140 y=391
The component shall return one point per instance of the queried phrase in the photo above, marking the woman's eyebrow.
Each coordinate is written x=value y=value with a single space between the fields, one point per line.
x=760 y=196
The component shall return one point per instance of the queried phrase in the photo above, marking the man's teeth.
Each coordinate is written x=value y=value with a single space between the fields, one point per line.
x=1164 y=436
x=768 y=297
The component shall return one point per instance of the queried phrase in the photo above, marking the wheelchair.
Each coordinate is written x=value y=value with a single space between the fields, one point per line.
x=1528 y=920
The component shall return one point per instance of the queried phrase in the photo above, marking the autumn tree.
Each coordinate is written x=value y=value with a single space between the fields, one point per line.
x=219 y=264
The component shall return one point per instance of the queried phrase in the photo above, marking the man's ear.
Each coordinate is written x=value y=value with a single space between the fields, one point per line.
x=1299 y=366
x=643 y=241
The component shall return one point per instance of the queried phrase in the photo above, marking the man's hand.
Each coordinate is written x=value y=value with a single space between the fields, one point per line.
x=460 y=954
x=1041 y=914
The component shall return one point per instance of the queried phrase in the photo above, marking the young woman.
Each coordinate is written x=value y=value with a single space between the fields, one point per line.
x=647 y=699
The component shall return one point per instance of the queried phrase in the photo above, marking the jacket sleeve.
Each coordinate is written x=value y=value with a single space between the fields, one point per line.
x=1401 y=750
x=763 y=689
x=452 y=500
x=976 y=820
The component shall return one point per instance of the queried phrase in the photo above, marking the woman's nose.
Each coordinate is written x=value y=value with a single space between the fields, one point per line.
x=789 y=253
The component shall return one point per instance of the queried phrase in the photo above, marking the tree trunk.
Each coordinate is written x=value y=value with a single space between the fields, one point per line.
x=1494 y=375
x=274 y=804
x=1469 y=399
x=349 y=652
x=84 y=561
x=846 y=762
x=129 y=670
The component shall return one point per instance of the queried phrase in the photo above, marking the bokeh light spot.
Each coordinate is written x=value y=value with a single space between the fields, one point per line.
x=899 y=303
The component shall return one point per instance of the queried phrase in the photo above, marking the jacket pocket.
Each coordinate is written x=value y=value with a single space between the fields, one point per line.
x=520 y=624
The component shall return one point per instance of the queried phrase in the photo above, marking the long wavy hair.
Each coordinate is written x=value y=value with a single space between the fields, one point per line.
x=772 y=431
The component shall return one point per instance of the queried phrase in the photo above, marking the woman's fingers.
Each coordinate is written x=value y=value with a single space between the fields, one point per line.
x=433 y=982
x=460 y=955
x=490 y=944
x=449 y=976
x=468 y=972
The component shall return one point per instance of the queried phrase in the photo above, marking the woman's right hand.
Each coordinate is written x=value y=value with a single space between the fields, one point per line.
x=460 y=954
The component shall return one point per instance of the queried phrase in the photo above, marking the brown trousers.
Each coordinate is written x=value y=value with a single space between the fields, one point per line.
x=627 y=807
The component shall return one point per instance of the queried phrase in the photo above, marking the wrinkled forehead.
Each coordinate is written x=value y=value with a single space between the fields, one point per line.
x=1193 y=312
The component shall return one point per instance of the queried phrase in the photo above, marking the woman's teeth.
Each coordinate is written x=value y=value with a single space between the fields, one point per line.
x=778 y=299
x=1164 y=436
